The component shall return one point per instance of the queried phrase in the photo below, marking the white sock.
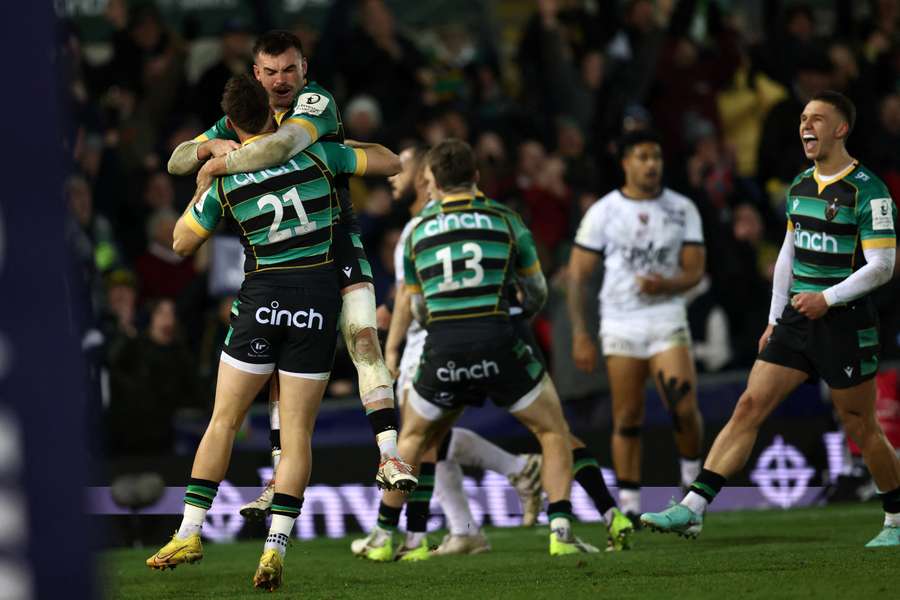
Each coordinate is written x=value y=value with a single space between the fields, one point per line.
x=191 y=522
x=690 y=469
x=892 y=519
x=274 y=418
x=630 y=501
x=448 y=490
x=562 y=527
x=695 y=502
x=414 y=538
x=279 y=533
x=276 y=458
x=471 y=450
x=387 y=443
x=608 y=515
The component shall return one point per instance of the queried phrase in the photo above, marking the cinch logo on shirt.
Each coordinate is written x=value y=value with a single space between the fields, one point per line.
x=302 y=319
x=820 y=242
x=449 y=222
x=487 y=368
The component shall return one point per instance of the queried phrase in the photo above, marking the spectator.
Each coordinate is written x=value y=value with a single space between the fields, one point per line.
x=549 y=206
x=162 y=273
x=151 y=376
x=362 y=119
x=235 y=58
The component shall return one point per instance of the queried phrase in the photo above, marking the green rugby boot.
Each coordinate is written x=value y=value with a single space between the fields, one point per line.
x=675 y=519
x=377 y=546
x=420 y=552
x=889 y=536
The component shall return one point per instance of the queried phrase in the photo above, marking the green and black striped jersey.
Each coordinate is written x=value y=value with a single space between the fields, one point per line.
x=314 y=109
x=832 y=220
x=463 y=253
x=284 y=215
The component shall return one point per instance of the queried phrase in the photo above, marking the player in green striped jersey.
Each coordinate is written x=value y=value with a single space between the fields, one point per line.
x=839 y=247
x=286 y=314
x=459 y=260
x=305 y=112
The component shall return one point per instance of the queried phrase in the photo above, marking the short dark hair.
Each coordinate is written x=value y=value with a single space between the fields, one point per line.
x=636 y=138
x=277 y=41
x=452 y=163
x=841 y=103
x=246 y=103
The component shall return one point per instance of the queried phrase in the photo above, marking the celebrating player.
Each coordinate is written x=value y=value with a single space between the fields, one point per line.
x=821 y=320
x=285 y=317
x=306 y=112
x=651 y=243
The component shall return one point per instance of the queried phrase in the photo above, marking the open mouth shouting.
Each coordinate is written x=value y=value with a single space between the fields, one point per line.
x=810 y=142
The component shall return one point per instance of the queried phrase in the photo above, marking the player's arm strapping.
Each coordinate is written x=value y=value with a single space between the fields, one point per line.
x=197 y=222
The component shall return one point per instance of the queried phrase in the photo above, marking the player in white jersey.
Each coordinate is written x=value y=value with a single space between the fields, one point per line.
x=650 y=241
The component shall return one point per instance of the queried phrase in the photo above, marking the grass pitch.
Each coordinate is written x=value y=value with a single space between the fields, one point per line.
x=811 y=553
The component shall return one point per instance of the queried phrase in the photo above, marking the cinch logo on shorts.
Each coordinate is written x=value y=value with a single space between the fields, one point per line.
x=820 y=242
x=302 y=319
x=487 y=368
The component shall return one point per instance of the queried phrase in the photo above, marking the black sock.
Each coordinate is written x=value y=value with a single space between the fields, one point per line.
x=419 y=499
x=388 y=516
x=560 y=508
x=891 y=501
x=287 y=505
x=708 y=484
x=587 y=473
x=383 y=419
x=445 y=446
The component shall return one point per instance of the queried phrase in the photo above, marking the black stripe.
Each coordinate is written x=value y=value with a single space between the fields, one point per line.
x=295 y=243
x=829 y=281
x=461 y=235
x=869 y=352
x=824 y=258
x=313 y=205
x=692 y=243
x=817 y=225
x=465 y=292
x=460 y=265
x=279 y=182
x=303 y=262
x=465 y=312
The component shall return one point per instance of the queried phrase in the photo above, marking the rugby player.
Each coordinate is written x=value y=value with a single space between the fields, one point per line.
x=650 y=240
x=285 y=316
x=839 y=247
x=463 y=447
x=459 y=260
x=306 y=112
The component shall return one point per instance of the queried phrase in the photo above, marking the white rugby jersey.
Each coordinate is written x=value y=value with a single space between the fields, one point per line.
x=415 y=335
x=639 y=237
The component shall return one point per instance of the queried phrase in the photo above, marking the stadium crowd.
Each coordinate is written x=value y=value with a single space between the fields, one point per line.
x=724 y=88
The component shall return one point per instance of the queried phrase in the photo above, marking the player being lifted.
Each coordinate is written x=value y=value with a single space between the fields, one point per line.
x=462 y=447
x=651 y=242
x=285 y=316
x=306 y=112
x=821 y=320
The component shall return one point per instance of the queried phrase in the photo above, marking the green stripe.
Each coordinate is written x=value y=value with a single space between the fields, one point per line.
x=426 y=480
x=234 y=307
x=228 y=336
x=704 y=488
x=562 y=515
x=202 y=491
x=438 y=304
x=867 y=337
x=287 y=509
x=584 y=463
x=815 y=208
x=197 y=503
x=869 y=366
x=420 y=496
x=317 y=250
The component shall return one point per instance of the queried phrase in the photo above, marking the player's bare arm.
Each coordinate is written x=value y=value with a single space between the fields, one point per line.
x=534 y=292
x=584 y=348
x=186 y=238
x=189 y=156
x=401 y=319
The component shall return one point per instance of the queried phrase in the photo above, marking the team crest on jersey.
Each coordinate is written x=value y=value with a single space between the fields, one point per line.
x=831 y=210
x=644 y=217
